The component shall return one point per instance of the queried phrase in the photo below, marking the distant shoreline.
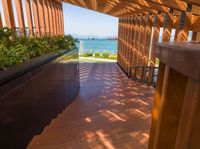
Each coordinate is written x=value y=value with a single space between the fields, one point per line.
x=97 y=38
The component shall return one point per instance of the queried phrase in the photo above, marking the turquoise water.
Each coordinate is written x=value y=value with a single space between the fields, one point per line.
x=97 y=45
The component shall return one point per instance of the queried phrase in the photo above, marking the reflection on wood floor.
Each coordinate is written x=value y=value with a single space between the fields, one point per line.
x=110 y=112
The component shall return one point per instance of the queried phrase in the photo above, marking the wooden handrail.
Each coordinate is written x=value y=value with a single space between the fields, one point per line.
x=176 y=117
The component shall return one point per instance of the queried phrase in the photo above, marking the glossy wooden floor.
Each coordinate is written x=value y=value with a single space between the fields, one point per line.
x=110 y=112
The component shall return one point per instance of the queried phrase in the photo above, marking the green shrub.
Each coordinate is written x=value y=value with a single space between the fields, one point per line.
x=87 y=54
x=113 y=56
x=105 y=55
x=97 y=55
x=17 y=49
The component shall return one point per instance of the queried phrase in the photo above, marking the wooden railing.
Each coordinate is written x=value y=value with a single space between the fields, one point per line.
x=144 y=74
x=176 y=113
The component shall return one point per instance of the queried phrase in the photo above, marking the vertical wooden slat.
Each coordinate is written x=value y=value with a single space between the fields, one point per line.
x=54 y=17
x=41 y=16
x=50 y=10
x=189 y=115
x=1 y=23
x=170 y=110
x=137 y=41
x=148 y=31
x=46 y=17
x=157 y=101
x=62 y=18
x=158 y=23
x=36 y=17
x=29 y=17
x=167 y=27
x=20 y=15
x=141 y=45
x=59 y=18
x=183 y=27
x=133 y=40
x=8 y=13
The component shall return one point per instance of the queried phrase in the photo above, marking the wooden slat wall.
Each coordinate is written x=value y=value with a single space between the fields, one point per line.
x=44 y=17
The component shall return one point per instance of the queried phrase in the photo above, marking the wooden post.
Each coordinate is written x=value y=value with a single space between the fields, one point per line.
x=8 y=13
x=36 y=18
x=29 y=17
x=20 y=15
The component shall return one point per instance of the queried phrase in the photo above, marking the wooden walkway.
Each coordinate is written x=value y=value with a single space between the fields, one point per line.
x=110 y=112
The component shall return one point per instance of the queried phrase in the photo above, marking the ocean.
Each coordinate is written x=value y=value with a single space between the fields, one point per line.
x=97 y=45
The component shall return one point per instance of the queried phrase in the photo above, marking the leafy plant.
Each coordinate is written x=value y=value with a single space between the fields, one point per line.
x=112 y=56
x=97 y=54
x=15 y=49
x=87 y=54
x=105 y=55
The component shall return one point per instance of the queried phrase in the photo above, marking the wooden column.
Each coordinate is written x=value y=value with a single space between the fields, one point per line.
x=46 y=17
x=8 y=13
x=29 y=17
x=36 y=18
x=20 y=15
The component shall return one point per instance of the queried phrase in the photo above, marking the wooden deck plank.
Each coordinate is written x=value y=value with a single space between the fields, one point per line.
x=110 y=112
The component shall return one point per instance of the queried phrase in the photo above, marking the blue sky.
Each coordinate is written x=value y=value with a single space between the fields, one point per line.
x=86 y=22
x=80 y=21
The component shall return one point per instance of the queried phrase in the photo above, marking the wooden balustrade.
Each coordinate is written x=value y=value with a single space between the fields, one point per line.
x=139 y=34
x=175 y=121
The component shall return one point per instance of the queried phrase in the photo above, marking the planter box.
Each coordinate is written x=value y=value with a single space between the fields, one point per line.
x=33 y=93
x=14 y=71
